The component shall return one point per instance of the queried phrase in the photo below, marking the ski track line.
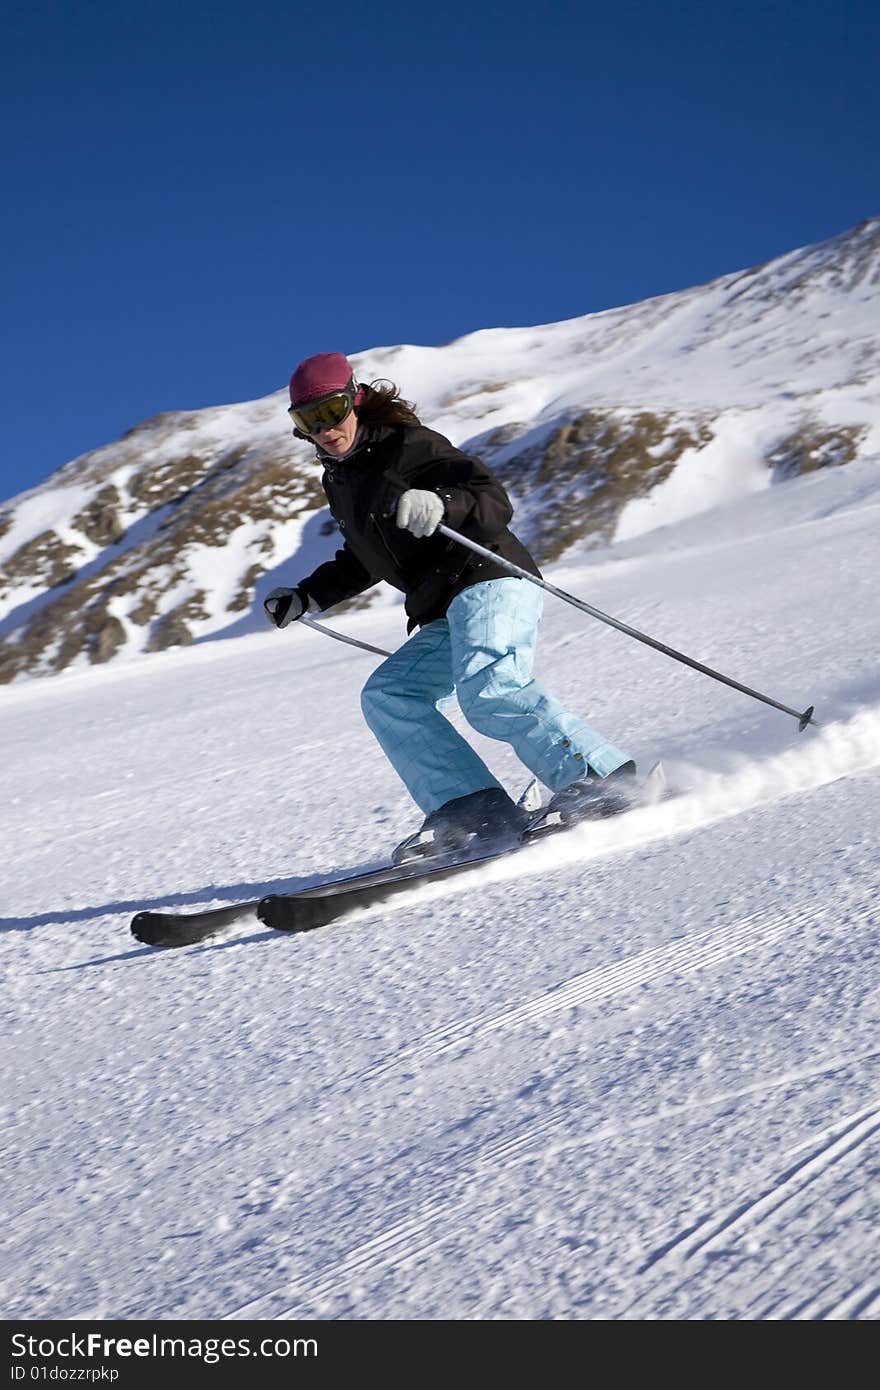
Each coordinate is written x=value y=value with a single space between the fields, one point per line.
x=391 y=1249
x=409 y=1239
x=684 y=957
x=862 y=1301
x=518 y=1147
x=712 y=1235
x=415 y=1237
x=406 y=1240
x=798 y=1268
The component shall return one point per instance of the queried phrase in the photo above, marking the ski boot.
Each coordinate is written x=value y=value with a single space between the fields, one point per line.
x=485 y=821
x=593 y=797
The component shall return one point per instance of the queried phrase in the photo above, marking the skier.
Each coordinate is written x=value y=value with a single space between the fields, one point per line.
x=390 y=482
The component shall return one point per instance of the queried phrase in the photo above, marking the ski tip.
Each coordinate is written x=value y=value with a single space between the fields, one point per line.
x=140 y=923
x=294 y=914
x=146 y=930
x=270 y=910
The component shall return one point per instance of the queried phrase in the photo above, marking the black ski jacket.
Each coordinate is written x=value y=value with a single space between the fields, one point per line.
x=363 y=493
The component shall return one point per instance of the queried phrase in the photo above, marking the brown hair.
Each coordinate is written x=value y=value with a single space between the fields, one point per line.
x=384 y=405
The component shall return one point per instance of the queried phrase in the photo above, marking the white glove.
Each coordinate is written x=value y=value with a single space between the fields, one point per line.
x=420 y=512
x=283 y=606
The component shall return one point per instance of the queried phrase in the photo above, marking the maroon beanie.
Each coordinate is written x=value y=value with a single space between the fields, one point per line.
x=319 y=376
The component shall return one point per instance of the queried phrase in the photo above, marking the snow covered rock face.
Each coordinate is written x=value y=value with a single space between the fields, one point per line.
x=601 y=427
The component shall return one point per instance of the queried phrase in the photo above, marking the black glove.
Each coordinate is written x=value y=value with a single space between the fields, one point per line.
x=284 y=606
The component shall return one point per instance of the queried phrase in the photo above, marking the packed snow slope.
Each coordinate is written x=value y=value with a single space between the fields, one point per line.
x=632 y=1074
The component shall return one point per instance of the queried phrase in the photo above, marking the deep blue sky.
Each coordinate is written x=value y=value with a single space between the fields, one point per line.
x=198 y=195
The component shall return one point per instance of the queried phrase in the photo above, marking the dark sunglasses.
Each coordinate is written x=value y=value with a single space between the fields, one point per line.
x=326 y=413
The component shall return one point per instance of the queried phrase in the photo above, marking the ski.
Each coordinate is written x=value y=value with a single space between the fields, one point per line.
x=188 y=928
x=315 y=907
x=309 y=908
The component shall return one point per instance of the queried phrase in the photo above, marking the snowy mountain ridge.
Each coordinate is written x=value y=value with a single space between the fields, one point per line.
x=632 y=418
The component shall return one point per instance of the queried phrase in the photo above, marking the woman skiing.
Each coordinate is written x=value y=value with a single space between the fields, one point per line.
x=390 y=482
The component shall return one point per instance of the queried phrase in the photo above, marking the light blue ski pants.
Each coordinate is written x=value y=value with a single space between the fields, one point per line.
x=484 y=651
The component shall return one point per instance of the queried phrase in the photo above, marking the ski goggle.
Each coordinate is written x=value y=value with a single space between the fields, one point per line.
x=326 y=413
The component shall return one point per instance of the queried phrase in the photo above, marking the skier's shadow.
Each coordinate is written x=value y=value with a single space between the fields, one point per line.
x=229 y=892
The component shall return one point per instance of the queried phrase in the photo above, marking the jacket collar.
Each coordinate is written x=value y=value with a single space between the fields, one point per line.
x=363 y=437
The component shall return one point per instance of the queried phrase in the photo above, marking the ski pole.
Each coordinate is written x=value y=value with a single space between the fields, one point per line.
x=341 y=636
x=804 y=718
